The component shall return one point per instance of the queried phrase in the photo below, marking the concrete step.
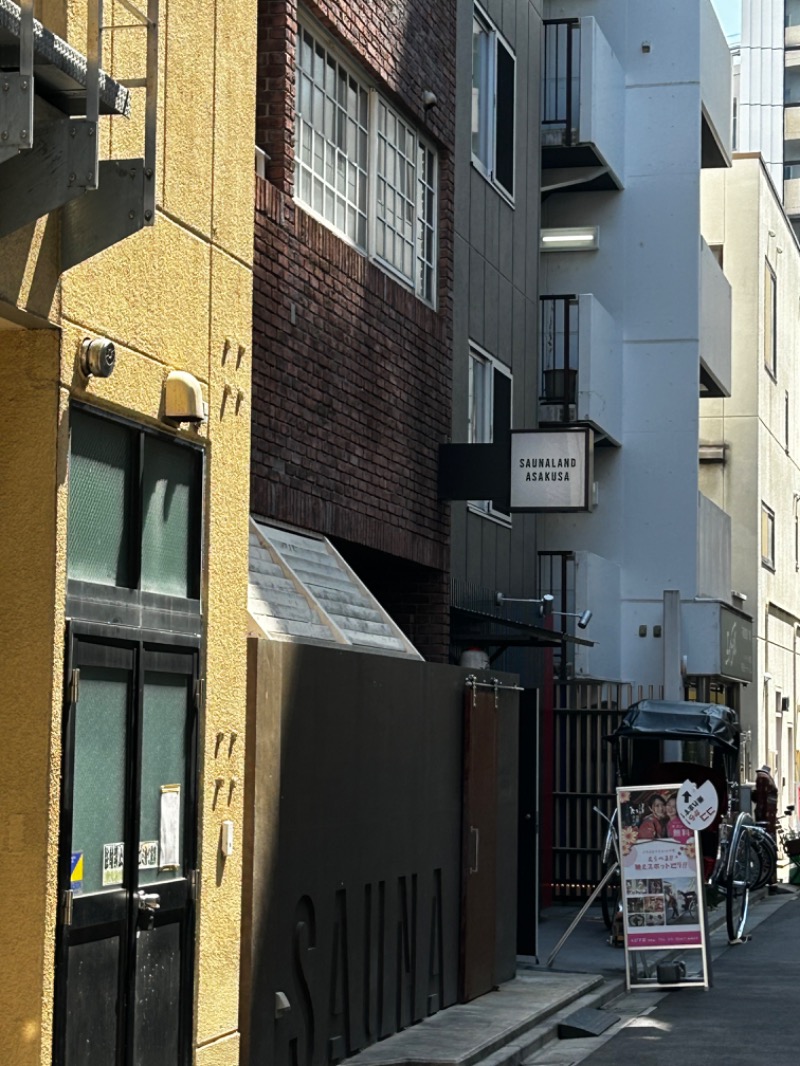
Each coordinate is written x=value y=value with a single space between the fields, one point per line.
x=498 y=1029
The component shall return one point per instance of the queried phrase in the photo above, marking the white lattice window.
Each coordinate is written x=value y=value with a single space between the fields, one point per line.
x=362 y=168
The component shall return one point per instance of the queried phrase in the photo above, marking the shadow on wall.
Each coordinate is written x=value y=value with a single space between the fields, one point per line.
x=352 y=849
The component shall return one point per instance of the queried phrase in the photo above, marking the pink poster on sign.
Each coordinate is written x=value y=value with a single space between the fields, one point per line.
x=662 y=887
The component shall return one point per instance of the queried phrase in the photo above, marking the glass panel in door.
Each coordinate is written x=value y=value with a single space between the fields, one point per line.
x=98 y=790
x=165 y=710
x=96 y=939
x=162 y=937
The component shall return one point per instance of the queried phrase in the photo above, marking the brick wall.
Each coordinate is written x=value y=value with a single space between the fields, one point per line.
x=351 y=371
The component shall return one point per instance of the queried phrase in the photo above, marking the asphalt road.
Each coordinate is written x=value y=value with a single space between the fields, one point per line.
x=751 y=1017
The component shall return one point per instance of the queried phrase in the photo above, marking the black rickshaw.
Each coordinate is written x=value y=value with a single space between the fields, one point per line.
x=672 y=741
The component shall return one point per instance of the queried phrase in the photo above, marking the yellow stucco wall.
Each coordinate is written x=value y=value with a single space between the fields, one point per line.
x=32 y=580
x=174 y=296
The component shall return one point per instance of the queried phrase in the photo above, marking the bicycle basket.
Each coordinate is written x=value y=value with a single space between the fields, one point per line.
x=792 y=846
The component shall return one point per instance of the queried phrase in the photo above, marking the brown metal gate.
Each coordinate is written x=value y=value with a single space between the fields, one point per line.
x=584 y=713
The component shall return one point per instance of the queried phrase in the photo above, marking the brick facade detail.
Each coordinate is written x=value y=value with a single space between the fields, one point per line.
x=351 y=371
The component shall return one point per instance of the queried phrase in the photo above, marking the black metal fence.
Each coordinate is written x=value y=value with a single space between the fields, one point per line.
x=584 y=713
x=558 y=351
x=561 y=63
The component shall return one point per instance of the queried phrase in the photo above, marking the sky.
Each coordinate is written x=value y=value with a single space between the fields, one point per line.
x=729 y=13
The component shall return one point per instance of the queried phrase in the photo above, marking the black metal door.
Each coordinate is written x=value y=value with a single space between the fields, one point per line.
x=127 y=854
x=479 y=845
x=528 y=825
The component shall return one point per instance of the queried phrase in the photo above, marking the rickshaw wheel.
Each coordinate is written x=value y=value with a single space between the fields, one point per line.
x=610 y=896
x=738 y=888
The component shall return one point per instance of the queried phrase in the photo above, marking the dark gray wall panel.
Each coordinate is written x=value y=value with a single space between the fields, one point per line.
x=352 y=849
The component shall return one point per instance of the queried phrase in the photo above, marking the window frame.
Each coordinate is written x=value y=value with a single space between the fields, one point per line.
x=786 y=423
x=424 y=242
x=768 y=534
x=131 y=604
x=770 y=338
x=493 y=365
x=487 y=110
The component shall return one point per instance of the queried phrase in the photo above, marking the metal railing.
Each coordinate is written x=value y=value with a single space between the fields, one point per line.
x=561 y=64
x=558 y=354
x=584 y=778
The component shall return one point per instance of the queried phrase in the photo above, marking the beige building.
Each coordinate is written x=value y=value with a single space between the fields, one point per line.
x=750 y=448
x=125 y=309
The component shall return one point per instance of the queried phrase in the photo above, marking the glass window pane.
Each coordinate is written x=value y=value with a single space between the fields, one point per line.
x=170 y=519
x=100 y=476
x=98 y=793
x=481 y=92
x=165 y=709
x=504 y=125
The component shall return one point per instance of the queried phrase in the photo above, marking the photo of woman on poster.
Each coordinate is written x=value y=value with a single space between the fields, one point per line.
x=654 y=824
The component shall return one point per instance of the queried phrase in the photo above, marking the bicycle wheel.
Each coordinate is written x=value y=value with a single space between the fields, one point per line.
x=611 y=894
x=765 y=860
x=737 y=888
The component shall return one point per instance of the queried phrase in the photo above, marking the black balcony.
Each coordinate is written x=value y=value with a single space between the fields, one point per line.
x=558 y=358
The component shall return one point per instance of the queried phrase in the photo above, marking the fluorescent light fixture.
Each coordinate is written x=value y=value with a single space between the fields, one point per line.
x=570 y=239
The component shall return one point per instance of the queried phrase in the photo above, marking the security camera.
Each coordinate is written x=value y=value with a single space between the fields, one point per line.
x=98 y=357
x=429 y=99
x=584 y=619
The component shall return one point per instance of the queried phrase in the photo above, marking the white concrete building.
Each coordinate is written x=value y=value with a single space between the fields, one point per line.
x=750 y=446
x=635 y=329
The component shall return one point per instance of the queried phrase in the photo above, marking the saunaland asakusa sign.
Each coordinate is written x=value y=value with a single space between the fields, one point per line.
x=552 y=469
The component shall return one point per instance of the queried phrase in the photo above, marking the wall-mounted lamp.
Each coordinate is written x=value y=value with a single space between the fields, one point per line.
x=98 y=357
x=546 y=608
x=429 y=99
x=570 y=239
x=183 y=398
x=545 y=603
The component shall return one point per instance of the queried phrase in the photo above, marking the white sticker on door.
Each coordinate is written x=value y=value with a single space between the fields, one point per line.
x=148 y=854
x=170 y=827
x=113 y=864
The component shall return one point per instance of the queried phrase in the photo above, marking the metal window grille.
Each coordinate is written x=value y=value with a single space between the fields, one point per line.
x=331 y=140
x=364 y=169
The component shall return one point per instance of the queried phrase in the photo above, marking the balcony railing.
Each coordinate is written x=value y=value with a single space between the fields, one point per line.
x=561 y=88
x=558 y=353
x=583 y=105
x=49 y=155
x=580 y=361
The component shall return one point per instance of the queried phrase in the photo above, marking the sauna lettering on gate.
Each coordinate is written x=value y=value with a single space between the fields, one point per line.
x=375 y=968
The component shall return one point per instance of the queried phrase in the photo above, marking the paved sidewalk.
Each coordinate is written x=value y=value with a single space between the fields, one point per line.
x=516 y=1023
x=747 y=1018
x=704 y=1028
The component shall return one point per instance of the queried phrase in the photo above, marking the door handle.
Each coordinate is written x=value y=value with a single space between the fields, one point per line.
x=474 y=841
x=148 y=901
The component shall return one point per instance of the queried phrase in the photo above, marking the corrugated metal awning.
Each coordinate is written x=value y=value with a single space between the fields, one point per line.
x=302 y=590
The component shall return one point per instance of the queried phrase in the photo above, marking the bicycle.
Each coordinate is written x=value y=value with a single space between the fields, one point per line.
x=610 y=879
x=789 y=839
x=786 y=842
